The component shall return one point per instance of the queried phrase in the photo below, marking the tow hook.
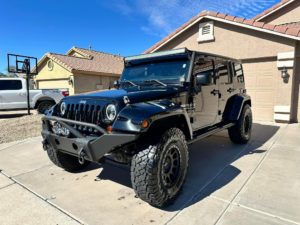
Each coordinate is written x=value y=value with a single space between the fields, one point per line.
x=81 y=155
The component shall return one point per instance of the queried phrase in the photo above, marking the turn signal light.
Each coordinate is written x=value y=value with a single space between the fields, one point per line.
x=145 y=124
x=109 y=129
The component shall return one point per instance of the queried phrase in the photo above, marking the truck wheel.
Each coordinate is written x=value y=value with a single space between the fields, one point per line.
x=65 y=161
x=240 y=133
x=158 y=172
x=44 y=105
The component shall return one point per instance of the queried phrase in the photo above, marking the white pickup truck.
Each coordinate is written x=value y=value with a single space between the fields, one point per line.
x=13 y=95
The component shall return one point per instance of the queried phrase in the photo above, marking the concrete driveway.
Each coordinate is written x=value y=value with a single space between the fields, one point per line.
x=258 y=183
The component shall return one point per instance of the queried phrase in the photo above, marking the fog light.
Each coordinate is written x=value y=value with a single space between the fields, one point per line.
x=58 y=129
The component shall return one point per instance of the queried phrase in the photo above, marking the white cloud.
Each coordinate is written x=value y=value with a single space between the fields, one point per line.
x=164 y=16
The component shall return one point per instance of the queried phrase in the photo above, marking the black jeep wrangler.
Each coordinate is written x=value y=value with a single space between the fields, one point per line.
x=162 y=102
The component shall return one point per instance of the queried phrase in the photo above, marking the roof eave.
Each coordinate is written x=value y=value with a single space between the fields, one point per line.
x=98 y=73
x=224 y=21
x=264 y=15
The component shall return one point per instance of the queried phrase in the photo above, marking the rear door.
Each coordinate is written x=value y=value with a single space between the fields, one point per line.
x=206 y=101
x=225 y=84
x=12 y=95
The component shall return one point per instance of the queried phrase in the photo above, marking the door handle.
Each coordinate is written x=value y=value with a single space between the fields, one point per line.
x=231 y=90
x=215 y=92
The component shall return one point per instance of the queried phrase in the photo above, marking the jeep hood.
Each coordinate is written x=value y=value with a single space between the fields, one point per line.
x=134 y=95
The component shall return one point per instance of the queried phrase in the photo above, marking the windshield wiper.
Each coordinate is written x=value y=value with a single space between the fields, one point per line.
x=129 y=82
x=156 y=81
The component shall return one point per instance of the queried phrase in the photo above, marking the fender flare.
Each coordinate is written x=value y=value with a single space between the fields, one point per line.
x=181 y=118
x=42 y=98
x=234 y=106
x=131 y=118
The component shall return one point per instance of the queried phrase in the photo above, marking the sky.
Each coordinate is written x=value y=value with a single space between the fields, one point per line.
x=125 y=27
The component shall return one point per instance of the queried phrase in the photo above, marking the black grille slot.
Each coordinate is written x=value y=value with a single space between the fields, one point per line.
x=88 y=113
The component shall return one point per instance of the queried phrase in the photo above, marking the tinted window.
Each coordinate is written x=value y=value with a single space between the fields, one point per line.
x=10 y=85
x=224 y=72
x=203 y=66
x=238 y=71
x=167 y=71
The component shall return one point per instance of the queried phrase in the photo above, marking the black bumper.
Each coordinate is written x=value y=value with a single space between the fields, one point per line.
x=94 y=148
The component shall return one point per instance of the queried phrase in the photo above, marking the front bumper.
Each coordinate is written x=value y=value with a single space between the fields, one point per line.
x=87 y=147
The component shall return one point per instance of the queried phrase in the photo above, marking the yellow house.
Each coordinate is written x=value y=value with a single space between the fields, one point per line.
x=80 y=70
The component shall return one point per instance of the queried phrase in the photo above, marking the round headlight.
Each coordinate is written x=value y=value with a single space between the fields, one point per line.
x=63 y=108
x=111 y=112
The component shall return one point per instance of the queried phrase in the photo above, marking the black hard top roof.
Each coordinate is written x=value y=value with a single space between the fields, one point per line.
x=182 y=52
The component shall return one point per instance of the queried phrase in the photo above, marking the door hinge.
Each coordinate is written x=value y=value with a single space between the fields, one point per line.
x=219 y=112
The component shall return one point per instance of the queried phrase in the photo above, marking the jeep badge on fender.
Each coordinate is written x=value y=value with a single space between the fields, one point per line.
x=163 y=102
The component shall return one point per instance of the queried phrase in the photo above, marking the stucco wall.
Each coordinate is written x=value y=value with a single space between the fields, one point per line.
x=58 y=74
x=290 y=13
x=234 y=42
x=296 y=97
x=258 y=51
x=86 y=83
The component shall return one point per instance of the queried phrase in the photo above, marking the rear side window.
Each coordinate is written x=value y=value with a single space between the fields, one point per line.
x=10 y=85
x=238 y=72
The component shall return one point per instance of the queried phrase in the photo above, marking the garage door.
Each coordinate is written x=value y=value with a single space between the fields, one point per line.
x=52 y=84
x=261 y=81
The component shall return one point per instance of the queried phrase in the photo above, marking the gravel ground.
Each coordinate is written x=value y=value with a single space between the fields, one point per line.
x=20 y=128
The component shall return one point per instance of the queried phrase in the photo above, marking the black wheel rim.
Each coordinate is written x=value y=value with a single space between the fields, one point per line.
x=171 y=167
x=247 y=125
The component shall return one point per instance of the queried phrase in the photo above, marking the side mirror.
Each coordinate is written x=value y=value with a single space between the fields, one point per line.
x=203 y=79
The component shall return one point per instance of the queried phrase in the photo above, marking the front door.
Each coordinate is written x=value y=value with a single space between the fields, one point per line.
x=206 y=101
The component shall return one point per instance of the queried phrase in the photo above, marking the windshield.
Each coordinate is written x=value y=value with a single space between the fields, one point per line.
x=168 y=72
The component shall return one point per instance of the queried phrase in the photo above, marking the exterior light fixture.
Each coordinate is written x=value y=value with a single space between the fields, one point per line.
x=70 y=81
x=285 y=75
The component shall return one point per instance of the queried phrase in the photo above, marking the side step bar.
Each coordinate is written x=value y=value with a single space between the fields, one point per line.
x=210 y=131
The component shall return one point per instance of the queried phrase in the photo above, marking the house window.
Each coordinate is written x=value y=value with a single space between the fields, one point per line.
x=206 y=32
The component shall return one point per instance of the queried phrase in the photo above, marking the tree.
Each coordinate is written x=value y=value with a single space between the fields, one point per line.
x=11 y=74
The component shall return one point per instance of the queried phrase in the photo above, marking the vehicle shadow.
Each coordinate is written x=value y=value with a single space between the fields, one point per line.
x=10 y=114
x=208 y=158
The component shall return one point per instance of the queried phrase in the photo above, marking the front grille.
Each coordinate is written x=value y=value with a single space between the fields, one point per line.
x=84 y=113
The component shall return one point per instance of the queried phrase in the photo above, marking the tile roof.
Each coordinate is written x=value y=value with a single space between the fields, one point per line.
x=93 y=61
x=286 y=29
x=272 y=9
x=292 y=24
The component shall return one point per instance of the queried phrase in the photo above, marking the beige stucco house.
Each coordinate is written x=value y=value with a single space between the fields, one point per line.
x=80 y=70
x=268 y=45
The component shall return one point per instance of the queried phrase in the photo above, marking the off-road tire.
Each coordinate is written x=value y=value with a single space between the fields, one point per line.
x=65 y=161
x=44 y=105
x=147 y=169
x=240 y=133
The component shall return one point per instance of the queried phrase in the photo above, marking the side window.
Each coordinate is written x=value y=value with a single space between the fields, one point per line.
x=238 y=72
x=6 y=85
x=205 y=67
x=224 y=72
